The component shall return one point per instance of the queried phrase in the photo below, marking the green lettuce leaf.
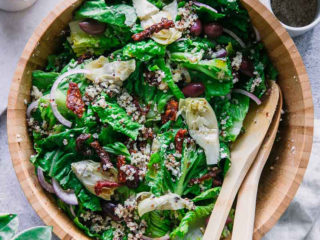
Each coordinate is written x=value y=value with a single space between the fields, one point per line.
x=213 y=88
x=217 y=69
x=120 y=15
x=85 y=228
x=158 y=222
x=209 y=194
x=43 y=80
x=9 y=224
x=160 y=63
x=143 y=51
x=56 y=62
x=39 y=233
x=231 y=114
x=193 y=162
x=190 y=218
x=118 y=119
x=81 y=42
x=117 y=148
x=208 y=14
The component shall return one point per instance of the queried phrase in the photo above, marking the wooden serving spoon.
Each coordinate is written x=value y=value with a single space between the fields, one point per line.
x=247 y=196
x=243 y=152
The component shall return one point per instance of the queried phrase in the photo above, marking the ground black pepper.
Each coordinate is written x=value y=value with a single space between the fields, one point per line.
x=295 y=13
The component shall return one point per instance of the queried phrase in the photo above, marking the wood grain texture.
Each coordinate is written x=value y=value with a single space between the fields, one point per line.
x=277 y=187
x=243 y=224
x=243 y=153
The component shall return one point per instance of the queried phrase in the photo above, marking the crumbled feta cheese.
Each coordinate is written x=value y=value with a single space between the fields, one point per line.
x=36 y=93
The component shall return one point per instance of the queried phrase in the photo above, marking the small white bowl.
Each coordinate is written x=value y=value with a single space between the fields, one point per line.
x=296 y=31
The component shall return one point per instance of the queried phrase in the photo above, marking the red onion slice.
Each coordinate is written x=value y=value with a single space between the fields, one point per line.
x=182 y=39
x=32 y=106
x=56 y=113
x=47 y=186
x=248 y=94
x=72 y=211
x=258 y=37
x=235 y=36
x=67 y=197
x=220 y=53
x=205 y=6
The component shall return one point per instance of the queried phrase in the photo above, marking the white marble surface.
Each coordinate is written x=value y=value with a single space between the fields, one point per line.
x=301 y=220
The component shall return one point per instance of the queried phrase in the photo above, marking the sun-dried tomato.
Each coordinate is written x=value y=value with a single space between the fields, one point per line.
x=80 y=147
x=178 y=140
x=74 y=100
x=84 y=57
x=103 y=155
x=213 y=173
x=104 y=184
x=171 y=111
x=155 y=28
x=121 y=161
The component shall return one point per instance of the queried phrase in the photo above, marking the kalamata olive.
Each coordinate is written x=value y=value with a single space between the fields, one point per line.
x=247 y=68
x=92 y=27
x=196 y=28
x=193 y=90
x=213 y=30
x=108 y=208
x=135 y=182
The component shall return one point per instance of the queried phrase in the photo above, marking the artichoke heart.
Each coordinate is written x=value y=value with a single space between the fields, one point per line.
x=147 y=202
x=114 y=73
x=165 y=36
x=203 y=126
x=90 y=172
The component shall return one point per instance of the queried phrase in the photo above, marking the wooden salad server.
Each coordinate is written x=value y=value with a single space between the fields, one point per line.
x=247 y=196
x=243 y=152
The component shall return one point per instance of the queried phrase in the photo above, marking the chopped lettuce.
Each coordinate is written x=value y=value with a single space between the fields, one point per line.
x=143 y=51
x=158 y=222
x=160 y=64
x=209 y=194
x=81 y=42
x=120 y=15
x=217 y=69
x=190 y=218
x=117 y=118
x=231 y=114
x=43 y=80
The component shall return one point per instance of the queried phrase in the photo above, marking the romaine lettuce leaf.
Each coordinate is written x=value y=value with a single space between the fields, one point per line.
x=158 y=222
x=43 y=80
x=81 y=42
x=217 y=69
x=190 y=218
x=231 y=114
x=120 y=15
x=118 y=119
x=117 y=148
x=193 y=162
x=143 y=51
x=161 y=65
x=209 y=194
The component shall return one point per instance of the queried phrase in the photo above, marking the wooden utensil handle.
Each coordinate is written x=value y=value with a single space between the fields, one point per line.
x=246 y=208
x=227 y=195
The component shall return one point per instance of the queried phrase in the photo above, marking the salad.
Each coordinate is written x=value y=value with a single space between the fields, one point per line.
x=133 y=117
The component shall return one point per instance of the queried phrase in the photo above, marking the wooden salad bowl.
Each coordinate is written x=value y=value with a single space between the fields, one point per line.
x=289 y=160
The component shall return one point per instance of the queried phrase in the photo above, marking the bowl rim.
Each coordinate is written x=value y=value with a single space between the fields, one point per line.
x=33 y=192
